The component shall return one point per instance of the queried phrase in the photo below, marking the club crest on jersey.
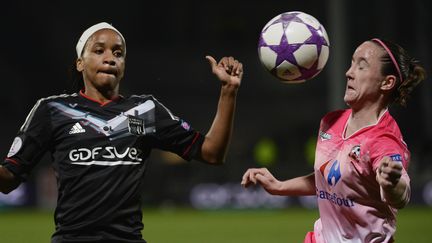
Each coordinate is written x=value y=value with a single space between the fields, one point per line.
x=355 y=153
x=136 y=125
x=334 y=173
x=324 y=136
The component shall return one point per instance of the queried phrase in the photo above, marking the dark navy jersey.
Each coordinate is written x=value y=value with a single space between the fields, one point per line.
x=99 y=155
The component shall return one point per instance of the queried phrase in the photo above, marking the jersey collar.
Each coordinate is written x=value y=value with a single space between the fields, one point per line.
x=370 y=125
x=82 y=94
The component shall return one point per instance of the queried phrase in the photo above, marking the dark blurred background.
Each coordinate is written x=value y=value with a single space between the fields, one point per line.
x=276 y=124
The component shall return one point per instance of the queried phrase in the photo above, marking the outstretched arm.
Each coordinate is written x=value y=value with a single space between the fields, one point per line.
x=299 y=186
x=8 y=182
x=230 y=72
x=395 y=189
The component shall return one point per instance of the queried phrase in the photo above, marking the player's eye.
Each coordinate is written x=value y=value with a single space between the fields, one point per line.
x=118 y=53
x=98 y=51
x=361 y=66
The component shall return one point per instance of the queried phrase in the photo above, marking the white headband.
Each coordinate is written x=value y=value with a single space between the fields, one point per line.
x=90 y=31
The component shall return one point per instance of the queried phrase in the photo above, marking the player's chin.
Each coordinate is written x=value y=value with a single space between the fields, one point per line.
x=107 y=82
x=349 y=97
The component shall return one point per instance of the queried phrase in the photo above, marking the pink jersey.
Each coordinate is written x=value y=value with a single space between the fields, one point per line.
x=351 y=205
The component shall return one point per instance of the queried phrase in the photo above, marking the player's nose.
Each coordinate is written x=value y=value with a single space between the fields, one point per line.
x=349 y=74
x=109 y=59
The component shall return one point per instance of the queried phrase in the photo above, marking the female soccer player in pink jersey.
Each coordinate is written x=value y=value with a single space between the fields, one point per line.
x=360 y=173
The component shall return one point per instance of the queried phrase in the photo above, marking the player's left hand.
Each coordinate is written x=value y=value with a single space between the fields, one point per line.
x=229 y=70
x=388 y=173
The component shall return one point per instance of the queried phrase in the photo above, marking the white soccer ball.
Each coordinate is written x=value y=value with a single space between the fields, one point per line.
x=294 y=47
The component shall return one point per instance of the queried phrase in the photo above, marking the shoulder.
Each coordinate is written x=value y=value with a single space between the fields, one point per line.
x=387 y=144
x=40 y=111
x=387 y=131
x=142 y=97
x=146 y=97
x=43 y=102
x=60 y=97
x=387 y=140
x=388 y=125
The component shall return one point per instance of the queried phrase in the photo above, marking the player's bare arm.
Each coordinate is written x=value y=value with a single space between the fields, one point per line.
x=8 y=182
x=299 y=186
x=230 y=72
x=396 y=190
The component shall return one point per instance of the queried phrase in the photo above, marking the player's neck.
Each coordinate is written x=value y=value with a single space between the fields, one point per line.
x=101 y=96
x=364 y=117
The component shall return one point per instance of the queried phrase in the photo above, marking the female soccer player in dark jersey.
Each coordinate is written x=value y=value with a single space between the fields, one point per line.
x=100 y=140
x=360 y=174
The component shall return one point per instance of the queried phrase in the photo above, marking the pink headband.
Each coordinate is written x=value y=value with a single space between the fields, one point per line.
x=391 y=57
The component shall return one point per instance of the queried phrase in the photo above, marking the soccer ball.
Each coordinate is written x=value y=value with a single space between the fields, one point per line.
x=294 y=47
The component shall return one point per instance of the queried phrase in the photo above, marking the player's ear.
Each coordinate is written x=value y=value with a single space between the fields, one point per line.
x=388 y=82
x=79 y=65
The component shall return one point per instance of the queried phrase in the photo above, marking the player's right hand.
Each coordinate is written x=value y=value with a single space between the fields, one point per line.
x=263 y=177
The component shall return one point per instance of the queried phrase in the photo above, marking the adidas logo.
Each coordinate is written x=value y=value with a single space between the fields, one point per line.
x=77 y=128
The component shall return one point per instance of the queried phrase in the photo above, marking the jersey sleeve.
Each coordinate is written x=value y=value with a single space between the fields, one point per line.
x=31 y=142
x=395 y=148
x=176 y=135
x=389 y=145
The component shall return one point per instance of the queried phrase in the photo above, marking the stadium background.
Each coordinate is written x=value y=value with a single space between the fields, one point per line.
x=275 y=124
